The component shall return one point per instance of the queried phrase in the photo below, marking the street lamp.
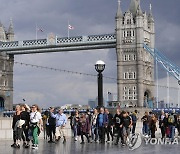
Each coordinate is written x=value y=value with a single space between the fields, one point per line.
x=99 y=67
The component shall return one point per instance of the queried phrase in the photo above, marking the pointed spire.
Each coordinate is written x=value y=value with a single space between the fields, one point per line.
x=150 y=16
x=133 y=6
x=11 y=28
x=1 y=25
x=119 y=12
x=139 y=11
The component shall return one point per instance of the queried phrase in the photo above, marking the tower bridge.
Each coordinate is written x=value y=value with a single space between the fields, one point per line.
x=133 y=39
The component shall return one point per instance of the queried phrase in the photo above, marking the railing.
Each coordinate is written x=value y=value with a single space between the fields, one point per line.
x=52 y=40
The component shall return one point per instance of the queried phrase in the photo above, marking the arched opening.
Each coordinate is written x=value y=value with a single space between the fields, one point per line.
x=147 y=99
x=1 y=103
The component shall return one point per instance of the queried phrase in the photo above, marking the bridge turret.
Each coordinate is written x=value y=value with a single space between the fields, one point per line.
x=119 y=36
x=2 y=33
x=139 y=26
x=133 y=7
x=10 y=34
x=151 y=27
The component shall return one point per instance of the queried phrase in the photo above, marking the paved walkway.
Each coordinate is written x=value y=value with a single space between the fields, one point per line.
x=72 y=147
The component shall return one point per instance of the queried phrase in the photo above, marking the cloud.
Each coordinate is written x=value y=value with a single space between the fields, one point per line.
x=89 y=18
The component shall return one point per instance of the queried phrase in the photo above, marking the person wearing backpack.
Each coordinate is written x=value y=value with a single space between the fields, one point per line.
x=172 y=121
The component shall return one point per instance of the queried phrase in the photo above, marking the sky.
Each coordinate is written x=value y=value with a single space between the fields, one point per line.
x=48 y=88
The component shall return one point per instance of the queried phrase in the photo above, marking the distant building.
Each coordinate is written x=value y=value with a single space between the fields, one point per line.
x=92 y=103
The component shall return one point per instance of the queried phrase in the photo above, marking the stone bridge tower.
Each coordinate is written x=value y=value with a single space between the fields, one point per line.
x=135 y=65
x=6 y=70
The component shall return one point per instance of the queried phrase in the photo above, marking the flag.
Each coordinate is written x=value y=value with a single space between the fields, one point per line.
x=40 y=29
x=70 y=27
x=110 y=96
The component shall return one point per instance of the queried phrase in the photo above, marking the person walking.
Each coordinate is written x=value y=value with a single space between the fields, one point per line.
x=178 y=125
x=109 y=127
x=118 y=126
x=84 y=127
x=102 y=121
x=26 y=117
x=61 y=121
x=145 y=120
x=126 y=126
x=36 y=124
x=134 y=121
x=166 y=125
x=172 y=120
x=94 y=129
x=75 y=122
x=161 y=124
x=16 y=118
x=51 y=121
x=152 y=125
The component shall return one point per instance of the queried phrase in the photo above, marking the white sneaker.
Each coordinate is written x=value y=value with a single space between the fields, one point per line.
x=75 y=139
x=35 y=147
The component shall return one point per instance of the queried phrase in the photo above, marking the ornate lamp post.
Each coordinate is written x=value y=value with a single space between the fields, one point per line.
x=99 y=67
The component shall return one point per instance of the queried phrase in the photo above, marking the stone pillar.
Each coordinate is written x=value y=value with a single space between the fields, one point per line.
x=140 y=54
x=119 y=53
x=6 y=80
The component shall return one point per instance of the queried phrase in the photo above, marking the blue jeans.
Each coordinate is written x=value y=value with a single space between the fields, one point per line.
x=145 y=129
x=172 y=131
x=75 y=130
x=94 y=133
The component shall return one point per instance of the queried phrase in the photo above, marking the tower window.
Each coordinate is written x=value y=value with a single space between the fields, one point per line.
x=134 y=75
x=129 y=57
x=125 y=57
x=125 y=75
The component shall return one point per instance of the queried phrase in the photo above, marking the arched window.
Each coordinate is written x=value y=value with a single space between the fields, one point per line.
x=125 y=57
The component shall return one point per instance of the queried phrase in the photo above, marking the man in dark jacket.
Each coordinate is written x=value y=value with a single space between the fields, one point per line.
x=52 y=126
x=172 y=121
x=108 y=129
x=102 y=121
x=117 y=126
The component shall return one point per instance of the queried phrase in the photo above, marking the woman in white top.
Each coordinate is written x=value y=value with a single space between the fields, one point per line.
x=35 y=121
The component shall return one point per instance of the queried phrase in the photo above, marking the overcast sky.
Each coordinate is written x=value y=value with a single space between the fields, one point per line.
x=88 y=17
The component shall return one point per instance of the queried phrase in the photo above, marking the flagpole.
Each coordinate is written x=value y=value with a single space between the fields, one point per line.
x=36 y=32
x=68 y=29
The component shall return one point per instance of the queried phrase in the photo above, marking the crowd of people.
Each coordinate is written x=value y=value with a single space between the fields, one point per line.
x=103 y=125
x=100 y=126
x=168 y=123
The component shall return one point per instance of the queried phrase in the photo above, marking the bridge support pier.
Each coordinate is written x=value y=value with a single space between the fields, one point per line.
x=6 y=81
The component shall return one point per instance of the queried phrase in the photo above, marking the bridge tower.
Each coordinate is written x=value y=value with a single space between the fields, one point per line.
x=135 y=66
x=6 y=70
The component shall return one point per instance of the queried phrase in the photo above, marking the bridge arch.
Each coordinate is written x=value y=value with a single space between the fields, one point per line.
x=147 y=98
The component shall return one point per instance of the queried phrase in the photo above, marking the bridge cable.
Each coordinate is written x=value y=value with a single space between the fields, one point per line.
x=79 y=73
